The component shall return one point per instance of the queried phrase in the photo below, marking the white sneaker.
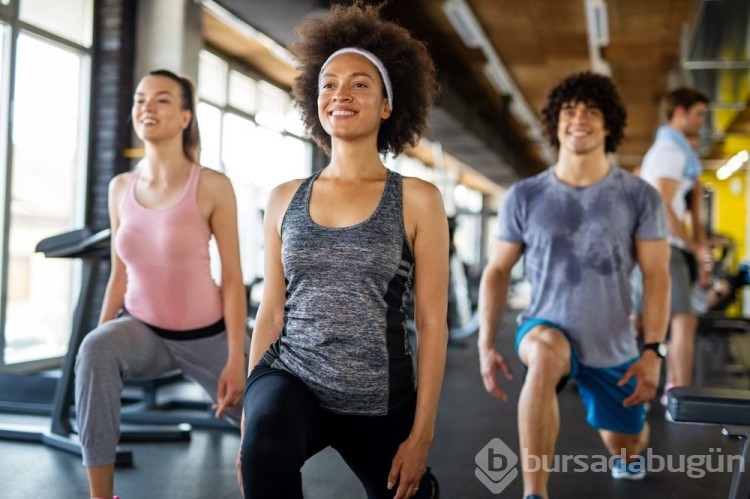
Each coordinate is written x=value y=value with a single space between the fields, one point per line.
x=630 y=471
x=664 y=400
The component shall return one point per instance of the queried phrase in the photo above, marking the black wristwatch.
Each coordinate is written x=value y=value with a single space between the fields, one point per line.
x=659 y=347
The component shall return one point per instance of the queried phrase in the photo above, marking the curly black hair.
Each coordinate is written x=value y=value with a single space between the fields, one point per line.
x=409 y=65
x=586 y=87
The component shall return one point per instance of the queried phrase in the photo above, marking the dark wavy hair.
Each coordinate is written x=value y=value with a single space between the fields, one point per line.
x=685 y=98
x=191 y=137
x=586 y=87
x=409 y=65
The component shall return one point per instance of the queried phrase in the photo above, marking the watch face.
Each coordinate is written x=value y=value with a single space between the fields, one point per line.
x=659 y=348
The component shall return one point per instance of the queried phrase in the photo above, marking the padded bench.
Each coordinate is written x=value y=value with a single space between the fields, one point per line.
x=729 y=408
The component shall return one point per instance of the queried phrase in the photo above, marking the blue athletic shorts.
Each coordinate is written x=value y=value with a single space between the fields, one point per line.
x=597 y=387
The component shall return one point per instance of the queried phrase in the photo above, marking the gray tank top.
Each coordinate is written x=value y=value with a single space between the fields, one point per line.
x=347 y=291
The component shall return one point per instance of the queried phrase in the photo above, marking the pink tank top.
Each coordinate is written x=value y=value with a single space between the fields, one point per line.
x=165 y=252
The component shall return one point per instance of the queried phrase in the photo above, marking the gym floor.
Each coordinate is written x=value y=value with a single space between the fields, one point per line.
x=468 y=420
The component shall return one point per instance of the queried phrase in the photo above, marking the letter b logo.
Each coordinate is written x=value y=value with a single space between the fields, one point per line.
x=496 y=465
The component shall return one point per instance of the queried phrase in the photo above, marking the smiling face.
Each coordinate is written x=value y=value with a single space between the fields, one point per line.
x=581 y=128
x=351 y=103
x=157 y=109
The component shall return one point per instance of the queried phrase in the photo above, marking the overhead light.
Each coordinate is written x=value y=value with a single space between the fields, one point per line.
x=464 y=22
x=733 y=165
x=241 y=26
x=467 y=27
x=499 y=78
x=597 y=22
x=599 y=65
x=730 y=106
x=597 y=31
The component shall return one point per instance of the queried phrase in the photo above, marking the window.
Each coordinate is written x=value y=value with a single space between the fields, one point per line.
x=46 y=171
x=209 y=123
x=251 y=132
x=212 y=78
x=70 y=19
x=242 y=91
x=272 y=106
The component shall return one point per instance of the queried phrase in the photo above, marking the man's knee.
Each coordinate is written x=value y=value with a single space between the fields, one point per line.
x=546 y=354
x=625 y=443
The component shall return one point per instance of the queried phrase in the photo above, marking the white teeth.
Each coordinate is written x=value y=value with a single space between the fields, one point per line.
x=342 y=113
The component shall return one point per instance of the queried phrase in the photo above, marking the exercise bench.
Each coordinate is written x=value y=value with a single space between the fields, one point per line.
x=721 y=406
x=92 y=247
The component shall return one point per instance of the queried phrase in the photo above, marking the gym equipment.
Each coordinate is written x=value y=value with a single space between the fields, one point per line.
x=713 y=335
x=93 y=249
x=728 y=408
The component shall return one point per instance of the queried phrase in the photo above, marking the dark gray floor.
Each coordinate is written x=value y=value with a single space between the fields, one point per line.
x=467 y=421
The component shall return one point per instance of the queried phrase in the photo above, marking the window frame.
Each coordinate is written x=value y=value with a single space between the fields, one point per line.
x=13 y=30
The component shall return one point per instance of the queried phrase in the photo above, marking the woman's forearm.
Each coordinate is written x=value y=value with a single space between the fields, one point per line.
x=431 y=354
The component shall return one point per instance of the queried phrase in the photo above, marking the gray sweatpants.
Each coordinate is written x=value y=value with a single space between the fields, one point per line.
x=125 y=348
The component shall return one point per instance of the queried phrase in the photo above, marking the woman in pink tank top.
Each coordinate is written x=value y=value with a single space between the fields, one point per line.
x=162 y=309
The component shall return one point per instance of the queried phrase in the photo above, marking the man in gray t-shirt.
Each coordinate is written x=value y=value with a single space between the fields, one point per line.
x=581 y=226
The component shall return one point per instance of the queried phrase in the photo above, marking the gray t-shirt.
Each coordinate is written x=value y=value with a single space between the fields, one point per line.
x=579 y=250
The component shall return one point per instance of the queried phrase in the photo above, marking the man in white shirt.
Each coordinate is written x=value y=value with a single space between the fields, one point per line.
x=673 y=168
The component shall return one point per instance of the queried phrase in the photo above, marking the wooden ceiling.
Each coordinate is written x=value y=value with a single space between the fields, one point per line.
x=539 y=42
x=542 y=41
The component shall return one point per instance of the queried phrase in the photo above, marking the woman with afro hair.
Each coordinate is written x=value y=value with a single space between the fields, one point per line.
x=330 y=361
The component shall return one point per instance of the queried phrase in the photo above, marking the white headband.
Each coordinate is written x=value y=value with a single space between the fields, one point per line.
x=374 y=60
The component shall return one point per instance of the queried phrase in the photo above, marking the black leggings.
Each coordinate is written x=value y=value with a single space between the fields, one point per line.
x=285 y=425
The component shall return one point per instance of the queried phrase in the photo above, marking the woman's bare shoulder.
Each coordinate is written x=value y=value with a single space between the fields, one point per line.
x=418 y=189
x=120 y=181
x=282 y=194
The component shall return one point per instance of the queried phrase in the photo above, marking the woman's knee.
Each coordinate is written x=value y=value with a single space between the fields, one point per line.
x=97 y=346
x=269 y=439
x=108 y=348
x=281 y=416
